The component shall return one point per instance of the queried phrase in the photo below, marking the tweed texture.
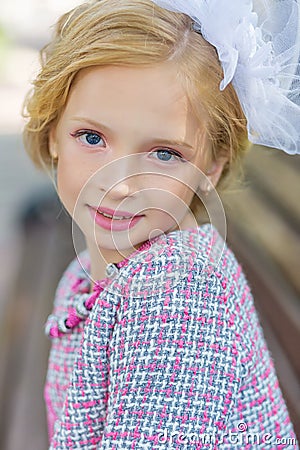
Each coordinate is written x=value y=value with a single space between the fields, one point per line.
x=172 y=356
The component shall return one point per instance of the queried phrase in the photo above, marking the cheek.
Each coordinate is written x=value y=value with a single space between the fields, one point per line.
x=70 y=182
x=181 y=193
x=168 y=195
x=185 y=193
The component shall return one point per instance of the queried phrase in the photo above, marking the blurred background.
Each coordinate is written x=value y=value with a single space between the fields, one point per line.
x=35 y=241
x=27 y=206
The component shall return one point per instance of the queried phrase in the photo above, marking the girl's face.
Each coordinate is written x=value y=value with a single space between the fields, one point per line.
x=129 y=145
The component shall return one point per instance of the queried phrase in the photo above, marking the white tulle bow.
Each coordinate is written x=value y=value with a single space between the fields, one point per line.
x=259 y=50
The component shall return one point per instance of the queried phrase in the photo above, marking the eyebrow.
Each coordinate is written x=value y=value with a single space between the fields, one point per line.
x=159 y=141
x=91 y=122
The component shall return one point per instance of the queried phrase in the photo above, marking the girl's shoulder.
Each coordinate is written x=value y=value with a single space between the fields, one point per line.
x=194 y=257
x=192 y=271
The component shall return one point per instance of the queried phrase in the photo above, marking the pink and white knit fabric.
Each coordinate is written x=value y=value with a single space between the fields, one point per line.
x=172 y=356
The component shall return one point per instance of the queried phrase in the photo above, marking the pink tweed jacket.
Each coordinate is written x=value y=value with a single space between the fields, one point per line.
x=171 y=356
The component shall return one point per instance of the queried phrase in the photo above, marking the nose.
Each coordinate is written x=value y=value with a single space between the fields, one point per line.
x=120 y=190
x=117 y=179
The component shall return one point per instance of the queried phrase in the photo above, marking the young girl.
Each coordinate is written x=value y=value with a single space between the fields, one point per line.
x=142 y=108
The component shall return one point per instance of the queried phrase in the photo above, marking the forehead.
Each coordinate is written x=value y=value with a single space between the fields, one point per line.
x=135 y=82
x=136 y=96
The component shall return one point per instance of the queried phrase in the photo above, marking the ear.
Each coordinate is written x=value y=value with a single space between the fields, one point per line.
x=213 y=173
x=215 y=169
x=52 y=144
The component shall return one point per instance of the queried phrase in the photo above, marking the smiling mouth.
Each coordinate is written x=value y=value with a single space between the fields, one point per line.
x=114 y=217
x=111 y=220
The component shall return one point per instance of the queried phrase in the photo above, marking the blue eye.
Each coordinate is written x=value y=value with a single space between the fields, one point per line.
x=89 y=138
x=167 y=155
x=92 y=139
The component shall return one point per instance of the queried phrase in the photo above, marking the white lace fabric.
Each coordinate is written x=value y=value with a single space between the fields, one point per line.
x=258 y=45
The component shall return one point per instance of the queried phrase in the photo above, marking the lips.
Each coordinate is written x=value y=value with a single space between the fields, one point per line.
x=116 y=215
x=112 y=220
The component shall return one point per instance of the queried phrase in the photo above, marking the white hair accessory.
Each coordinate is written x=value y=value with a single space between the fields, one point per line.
x=259 y=49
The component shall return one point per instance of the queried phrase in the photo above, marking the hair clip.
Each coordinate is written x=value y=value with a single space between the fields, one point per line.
x=196 y=27
x=259 y=53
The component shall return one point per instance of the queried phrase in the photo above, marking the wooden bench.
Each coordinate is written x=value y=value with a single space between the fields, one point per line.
x=263 y=231
x=47 y=250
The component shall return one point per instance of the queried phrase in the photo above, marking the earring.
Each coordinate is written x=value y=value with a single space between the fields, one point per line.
x=205 y=190
x=54 y=156
x=208 y=190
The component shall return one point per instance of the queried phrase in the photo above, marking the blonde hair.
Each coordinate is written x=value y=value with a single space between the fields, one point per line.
x=133 y=33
